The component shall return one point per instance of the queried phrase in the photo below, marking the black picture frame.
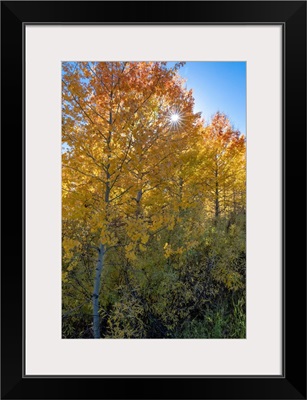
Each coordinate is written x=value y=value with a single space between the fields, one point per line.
x=292 y=16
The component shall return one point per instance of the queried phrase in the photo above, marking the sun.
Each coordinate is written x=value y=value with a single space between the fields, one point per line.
x=175 y=119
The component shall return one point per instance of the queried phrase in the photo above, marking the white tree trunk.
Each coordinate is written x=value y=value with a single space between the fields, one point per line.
x=96 y=321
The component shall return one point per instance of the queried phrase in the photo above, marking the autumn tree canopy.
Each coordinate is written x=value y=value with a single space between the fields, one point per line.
x=153 y=203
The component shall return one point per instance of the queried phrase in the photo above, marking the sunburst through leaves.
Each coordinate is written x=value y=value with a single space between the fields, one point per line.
x=176 y=119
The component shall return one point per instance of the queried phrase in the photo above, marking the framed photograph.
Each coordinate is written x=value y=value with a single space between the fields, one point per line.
x=163 y=155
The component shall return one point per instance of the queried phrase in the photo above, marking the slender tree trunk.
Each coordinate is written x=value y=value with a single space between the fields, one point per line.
x=234 y=202
x=180 y=196
x=102 y=248
x=217 y=202
x=138 y=198
x=99 y=267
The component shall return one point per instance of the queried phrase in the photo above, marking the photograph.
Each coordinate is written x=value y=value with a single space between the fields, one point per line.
x=153 y=200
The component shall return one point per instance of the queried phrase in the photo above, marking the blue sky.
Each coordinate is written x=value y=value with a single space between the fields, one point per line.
x=218 y=86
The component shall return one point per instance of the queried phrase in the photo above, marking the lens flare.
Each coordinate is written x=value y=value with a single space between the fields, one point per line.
x=175 y=119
